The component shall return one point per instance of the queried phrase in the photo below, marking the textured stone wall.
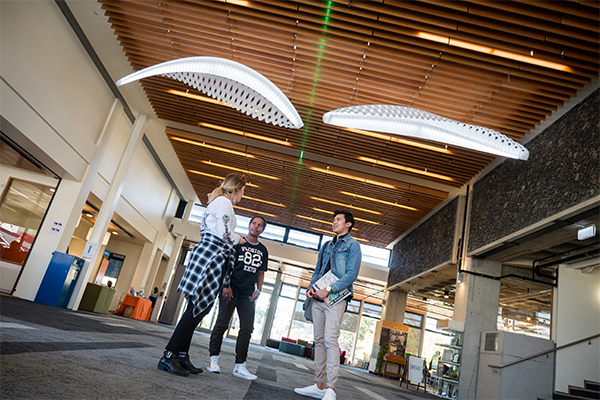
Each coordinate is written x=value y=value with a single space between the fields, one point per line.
x=562 y=171
x=429 y=245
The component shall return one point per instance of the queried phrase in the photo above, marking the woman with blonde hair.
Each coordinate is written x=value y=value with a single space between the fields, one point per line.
x=209 y=269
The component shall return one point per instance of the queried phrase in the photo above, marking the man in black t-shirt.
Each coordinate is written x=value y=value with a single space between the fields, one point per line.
x=246 y=283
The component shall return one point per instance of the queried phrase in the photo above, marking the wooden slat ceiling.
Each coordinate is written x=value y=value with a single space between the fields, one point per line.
x=329 y=54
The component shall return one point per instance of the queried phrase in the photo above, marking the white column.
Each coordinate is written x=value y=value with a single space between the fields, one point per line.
x=475 y=304
x=171 y=266
x=108 y=207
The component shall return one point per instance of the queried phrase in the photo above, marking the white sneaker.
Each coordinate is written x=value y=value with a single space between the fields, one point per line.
x=241 y=372
x=312 y=391
x=213 y=365
x=330 y=394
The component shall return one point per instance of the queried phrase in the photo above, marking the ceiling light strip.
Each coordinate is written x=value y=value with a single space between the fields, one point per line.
x=356 y=178
x=407 y=169
x=196 y=97
x=264 y=201
x=217 y=177
x=346 y=205
x=443 y=150
x=247 y=134
x=320 y=221
x=210 y=146
x=356 y=218
x=495 y=52
x=256 y=212
x=389 y=203
x=240 y=170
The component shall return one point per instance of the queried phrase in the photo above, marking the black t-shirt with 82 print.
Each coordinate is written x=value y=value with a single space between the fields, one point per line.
x=250 y=259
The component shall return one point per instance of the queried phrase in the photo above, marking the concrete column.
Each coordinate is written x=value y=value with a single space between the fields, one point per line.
x=476 y=304
x=108 y=207
x=395 y=305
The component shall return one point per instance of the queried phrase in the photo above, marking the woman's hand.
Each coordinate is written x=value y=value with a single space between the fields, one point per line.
x=227 y=293
x=242 y=240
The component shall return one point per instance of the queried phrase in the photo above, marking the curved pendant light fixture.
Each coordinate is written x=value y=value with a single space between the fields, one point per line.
x=408 y=121
x=229 y=82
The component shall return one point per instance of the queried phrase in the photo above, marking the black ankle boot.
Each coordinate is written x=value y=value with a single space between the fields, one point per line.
x=171 y=364
x=184 y=361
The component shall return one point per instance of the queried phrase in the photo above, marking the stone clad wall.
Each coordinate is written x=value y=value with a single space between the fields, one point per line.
x=429 y=245
x=562 y=171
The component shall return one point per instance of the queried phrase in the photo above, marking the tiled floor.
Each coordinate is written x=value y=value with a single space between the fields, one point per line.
x=53 y=353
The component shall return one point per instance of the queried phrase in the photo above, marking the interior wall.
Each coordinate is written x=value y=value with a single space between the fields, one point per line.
x=578 y=316
x=132 y=253
x=72 y=102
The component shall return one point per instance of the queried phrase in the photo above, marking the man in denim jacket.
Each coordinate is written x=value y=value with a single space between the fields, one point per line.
x=342 y=256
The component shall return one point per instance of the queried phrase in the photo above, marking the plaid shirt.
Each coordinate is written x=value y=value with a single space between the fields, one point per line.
x=210 y=266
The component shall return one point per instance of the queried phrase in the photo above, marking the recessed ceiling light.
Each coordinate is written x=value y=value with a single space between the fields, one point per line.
x=89 y=215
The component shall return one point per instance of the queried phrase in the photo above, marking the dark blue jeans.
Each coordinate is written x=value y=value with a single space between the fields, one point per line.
x=245 y=310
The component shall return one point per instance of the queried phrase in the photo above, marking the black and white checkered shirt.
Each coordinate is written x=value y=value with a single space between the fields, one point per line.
x=210 y=266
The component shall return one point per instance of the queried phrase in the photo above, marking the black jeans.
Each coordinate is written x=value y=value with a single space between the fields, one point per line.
x=184 y=331
x=245 y=310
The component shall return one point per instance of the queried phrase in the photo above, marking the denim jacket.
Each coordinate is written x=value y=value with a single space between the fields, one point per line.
x=345 y=262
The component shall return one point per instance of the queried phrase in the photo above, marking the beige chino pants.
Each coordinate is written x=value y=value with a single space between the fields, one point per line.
x=326 y=324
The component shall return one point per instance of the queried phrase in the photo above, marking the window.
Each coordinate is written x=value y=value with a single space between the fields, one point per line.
x=274 y=232
x=284 y=312
x=301 y=328
x=197 y=213
x=415 y=324
x=304 y=239
x=21 y=212
x=375 y=255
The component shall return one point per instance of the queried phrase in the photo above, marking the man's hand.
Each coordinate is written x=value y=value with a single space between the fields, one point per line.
x=227 y=293
x=242 y=240
x=321 y=294
x=310 y=293
x=254 y=295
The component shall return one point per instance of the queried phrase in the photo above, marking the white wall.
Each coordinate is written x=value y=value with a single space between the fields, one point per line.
x=577 y=316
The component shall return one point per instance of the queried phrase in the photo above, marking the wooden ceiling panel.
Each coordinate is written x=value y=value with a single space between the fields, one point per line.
x=458 y=59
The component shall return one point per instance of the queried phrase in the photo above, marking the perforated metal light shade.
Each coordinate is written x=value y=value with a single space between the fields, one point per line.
x=229 y=82
x=408 y=121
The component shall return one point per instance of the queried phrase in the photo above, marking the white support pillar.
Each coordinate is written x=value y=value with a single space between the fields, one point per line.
x=476 y=304
x=108 y=207
x=171 y=266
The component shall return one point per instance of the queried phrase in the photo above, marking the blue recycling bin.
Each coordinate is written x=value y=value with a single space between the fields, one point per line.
x=60 y=280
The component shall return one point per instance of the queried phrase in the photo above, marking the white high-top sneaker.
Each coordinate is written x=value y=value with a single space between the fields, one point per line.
x=241 y=372
x=213 y=365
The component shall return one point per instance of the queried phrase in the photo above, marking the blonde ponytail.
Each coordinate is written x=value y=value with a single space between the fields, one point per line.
x=231 y=183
